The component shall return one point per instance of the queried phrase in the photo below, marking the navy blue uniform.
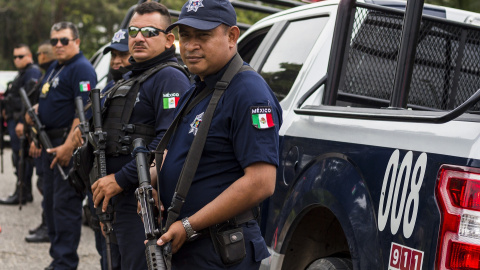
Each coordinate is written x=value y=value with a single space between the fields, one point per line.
x=14 y=116
x=150 y=110
x=62 y=205
x=233 y=143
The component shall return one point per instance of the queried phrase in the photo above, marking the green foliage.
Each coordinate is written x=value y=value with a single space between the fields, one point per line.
x=29 y=21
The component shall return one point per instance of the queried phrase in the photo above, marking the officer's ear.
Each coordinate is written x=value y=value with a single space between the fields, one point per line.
x=170 y=38
x=233 y=34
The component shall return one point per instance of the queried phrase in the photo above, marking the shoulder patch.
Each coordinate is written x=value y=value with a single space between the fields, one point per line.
x=262 y=117
x=84 y=86
x=170 y=100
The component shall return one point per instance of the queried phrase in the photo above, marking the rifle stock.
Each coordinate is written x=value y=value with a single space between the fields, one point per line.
x=154 y=253
x=38 y=128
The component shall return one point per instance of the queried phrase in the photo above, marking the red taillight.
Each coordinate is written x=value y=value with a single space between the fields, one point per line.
x=458 y=196
x=464 y=256
x=465 y=193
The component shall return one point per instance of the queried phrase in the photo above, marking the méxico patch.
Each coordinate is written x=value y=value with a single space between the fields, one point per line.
x=170 y=100
x=84 y=86
x=262 y=117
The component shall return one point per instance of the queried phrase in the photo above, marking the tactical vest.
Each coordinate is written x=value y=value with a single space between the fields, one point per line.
x=13 y=104
x=118 y=110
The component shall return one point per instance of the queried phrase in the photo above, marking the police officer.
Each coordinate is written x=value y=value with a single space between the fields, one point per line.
x=237 y=168
x=28 y=74
x=71 y=75
x=146 y=113
x=45 y=59
x=119 y=65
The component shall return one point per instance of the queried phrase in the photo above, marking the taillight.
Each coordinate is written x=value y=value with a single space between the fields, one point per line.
x=458 y=195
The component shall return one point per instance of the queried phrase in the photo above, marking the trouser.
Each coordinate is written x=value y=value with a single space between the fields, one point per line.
x=15 y=144
x=201 y=254
x=129 y=230
x=63 y=211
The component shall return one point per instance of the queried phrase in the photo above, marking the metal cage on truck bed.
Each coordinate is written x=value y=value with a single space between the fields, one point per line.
x=446 y=65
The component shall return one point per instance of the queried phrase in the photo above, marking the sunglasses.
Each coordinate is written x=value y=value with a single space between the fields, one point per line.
x=147 y=31
x=18 y=56
x=63 y=40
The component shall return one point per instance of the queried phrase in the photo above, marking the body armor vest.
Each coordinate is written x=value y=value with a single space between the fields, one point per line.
x=118 y=110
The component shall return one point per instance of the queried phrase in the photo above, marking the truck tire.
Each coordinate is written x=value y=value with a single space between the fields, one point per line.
x=331 y=263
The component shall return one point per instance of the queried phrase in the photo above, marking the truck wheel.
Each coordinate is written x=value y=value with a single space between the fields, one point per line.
x=331 y=263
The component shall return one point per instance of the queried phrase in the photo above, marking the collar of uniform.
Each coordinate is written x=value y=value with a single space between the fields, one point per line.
x=211 y=80
x=140 y=67
x=71 y=60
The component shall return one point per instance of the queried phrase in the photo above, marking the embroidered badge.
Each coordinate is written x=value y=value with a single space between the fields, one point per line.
x=262 y=117
x=170 y=100
x=119 y=35
x=84 y=86
x=194 y=5
x=55 y=82
x=194 y=125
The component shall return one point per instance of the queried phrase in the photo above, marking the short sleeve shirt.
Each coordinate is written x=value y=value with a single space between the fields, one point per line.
x=234 y=140
x=60 y=85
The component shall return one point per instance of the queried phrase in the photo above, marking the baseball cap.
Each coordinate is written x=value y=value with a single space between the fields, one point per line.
x=206 y=14
x=119 y=42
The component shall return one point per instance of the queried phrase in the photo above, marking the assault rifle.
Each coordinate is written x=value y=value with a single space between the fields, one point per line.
x=84 y=127
x=154 y=253
x=39 y=129
x=97 y=139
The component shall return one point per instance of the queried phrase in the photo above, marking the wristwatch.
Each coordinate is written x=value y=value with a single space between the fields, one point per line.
x=191 y=234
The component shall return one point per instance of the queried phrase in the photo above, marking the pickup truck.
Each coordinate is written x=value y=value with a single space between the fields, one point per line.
x=380 y=144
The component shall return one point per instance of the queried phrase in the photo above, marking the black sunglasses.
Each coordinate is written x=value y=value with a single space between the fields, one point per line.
x=63 y=40
x=18 y=56
x=147 y=31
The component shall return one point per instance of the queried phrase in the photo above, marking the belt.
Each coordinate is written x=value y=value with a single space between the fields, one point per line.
x=251 y=214
x=57 y=133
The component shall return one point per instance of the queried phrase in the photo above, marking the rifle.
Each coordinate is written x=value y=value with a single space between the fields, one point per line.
x=84 y=127
x=39 y=129
x=154 y=253
x=98 y=140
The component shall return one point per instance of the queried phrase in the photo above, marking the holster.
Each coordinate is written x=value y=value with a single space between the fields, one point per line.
x=82 y=165
x=229 y=243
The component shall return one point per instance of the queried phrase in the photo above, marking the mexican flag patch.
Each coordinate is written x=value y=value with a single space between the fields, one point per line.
x=170 y=100
x=84 y=86
x=262 y=117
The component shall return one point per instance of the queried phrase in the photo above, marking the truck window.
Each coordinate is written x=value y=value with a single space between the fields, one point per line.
x=250 y=45
x=289 y=53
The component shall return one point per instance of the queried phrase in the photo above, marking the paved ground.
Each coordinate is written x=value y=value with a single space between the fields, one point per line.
x=15 y=253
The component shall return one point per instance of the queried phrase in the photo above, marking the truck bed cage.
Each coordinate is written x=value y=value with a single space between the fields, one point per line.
x=365 y=54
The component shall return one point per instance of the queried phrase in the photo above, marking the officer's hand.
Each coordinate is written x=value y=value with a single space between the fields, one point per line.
x=34 y=152
x=101 y=229
x=28 y=119
x=104 y=189
x=19 y=130
x=63 y=155
x=77 y=137
x=177 y=234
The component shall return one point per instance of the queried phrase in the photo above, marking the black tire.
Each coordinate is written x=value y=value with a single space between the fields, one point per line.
x=331 y=263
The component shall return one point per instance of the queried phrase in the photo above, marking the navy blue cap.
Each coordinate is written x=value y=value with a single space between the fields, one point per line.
x=119 y=42
x=206 y=14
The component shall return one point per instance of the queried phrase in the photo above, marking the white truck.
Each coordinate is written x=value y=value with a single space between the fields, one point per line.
x=380 y=144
